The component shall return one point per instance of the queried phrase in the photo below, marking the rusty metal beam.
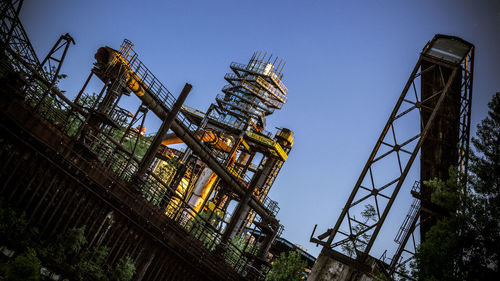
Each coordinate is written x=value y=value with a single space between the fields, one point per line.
x=162 y=132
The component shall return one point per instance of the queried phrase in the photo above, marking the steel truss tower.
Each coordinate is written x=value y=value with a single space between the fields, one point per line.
x=13 y=35
x=15 y=44
x=438 y=95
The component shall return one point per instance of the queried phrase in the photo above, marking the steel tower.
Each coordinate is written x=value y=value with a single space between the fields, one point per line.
x=438 y=95
x=255 y=90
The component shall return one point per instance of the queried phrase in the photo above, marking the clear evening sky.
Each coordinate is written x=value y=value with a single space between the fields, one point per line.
x=347 y=62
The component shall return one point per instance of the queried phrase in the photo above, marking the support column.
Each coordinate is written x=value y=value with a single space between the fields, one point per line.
x=241 y=210
x=147 y=160
x=260 y=178
x=202 y=188
x=268 y=241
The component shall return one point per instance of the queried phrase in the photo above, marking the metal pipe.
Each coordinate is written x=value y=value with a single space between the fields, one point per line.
x=159 y=109
x=162 y=132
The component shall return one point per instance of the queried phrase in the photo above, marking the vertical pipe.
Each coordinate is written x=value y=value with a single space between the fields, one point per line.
x=277 y=67
x=240 y=209
x=62 y=215
x=142 y=271
x=282 y=67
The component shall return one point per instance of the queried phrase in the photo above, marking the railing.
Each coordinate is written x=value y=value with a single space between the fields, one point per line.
x=159 y=92
x=121 y=163
x=416 y=187
x=147 y=77
x=166 y=97
x=271 y=205
x=242 y=107
x=274 y=77
x=270 y=89
x=51 y=107
x=408 y=220
x=278 y=82
x=264 y=96
x=222 y=119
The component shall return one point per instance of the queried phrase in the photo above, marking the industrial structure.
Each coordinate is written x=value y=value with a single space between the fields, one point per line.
x=180 y=214
x=436 y=100
x=202 y=212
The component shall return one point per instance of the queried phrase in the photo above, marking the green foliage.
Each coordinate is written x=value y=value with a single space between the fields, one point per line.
x=447 y=194
x=72 y=241
x=130 y=140
x=433 y=256
x=465 y=245
x=245 y=243
x=482 y=251
x=70 y=256
x=124 y=270
x=287 y=267
x=25 y=267
x=67 y=255
x=88 y=101
x=14 y=230
x=90 y=265
x=166 y=169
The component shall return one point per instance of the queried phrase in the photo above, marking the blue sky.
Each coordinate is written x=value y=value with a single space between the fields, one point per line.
x=347 y=62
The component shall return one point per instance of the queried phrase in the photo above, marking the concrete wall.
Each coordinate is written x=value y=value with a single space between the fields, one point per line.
x=328 y=267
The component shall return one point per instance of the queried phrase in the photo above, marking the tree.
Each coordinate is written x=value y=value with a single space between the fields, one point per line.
x=438 y=256
x=484 y=250
x=287 y=267
x=465 y=244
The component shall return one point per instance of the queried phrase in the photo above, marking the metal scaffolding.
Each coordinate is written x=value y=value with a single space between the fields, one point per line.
x=228 y=159
x=439 y=91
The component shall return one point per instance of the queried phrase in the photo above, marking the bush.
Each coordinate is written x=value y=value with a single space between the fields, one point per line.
x=124 y=270
x=25 y=267
x=14 y=230
x=287 y=267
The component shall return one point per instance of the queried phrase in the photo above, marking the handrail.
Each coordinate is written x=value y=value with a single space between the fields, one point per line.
x=264 y=95
x=263 y=82
x=246 y=107
x=274 y=77
x=257 y=103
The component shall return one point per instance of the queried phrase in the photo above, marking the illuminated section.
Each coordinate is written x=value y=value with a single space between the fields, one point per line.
x=255 y=90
